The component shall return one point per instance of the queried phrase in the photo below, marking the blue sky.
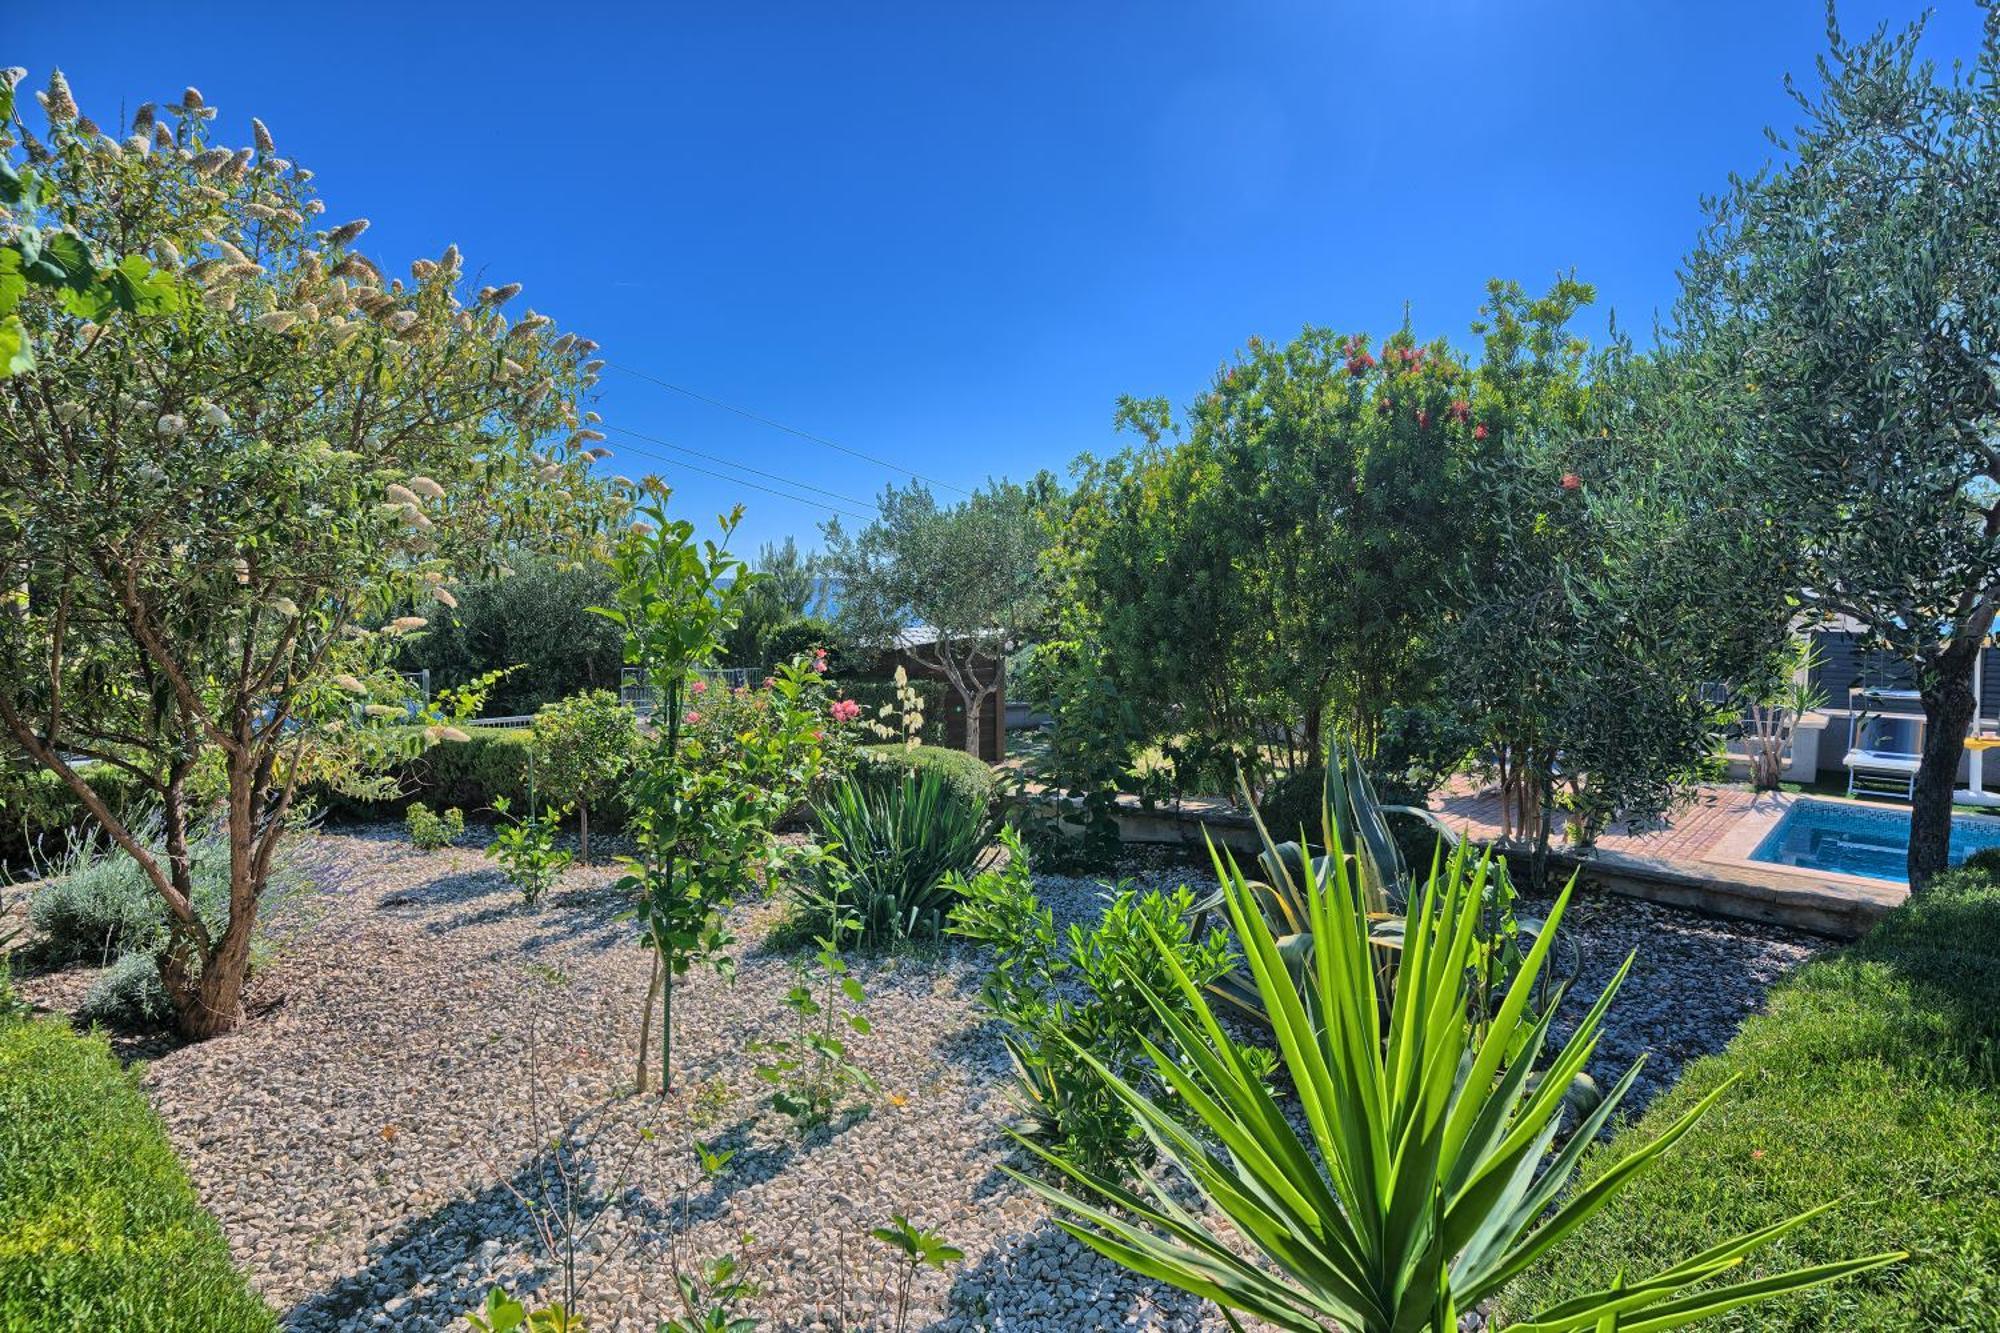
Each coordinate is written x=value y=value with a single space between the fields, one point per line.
x=949 y=236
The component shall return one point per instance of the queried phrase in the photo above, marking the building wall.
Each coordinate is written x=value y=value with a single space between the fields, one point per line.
x=1844 y=664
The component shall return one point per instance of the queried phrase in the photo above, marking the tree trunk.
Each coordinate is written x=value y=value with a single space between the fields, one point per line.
x=1949 y=707
x=646 y=1024
x=583 y=830
x=211 y=1003
x=970 y=702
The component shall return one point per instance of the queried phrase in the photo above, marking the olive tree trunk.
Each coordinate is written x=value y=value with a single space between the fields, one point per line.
x=1949 y=707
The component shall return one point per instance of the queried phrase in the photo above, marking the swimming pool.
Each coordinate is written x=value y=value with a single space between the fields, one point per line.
x=1861 y=840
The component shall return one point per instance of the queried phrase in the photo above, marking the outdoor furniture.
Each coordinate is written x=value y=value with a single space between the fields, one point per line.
x=1884 y=748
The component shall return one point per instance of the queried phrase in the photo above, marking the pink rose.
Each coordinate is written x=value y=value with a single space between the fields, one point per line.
x=691 y=717
x=698 y=686
x=845 y=710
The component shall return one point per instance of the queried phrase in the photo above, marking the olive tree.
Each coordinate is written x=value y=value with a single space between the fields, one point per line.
x=967 y=573
x=222 y=508
x=1848 y=299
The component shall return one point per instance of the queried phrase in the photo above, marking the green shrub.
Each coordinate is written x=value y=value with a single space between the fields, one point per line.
x=41 y=819
x=430 y=831
x=99 y=1228
x=1295 y=801
x=1069 y=999
x=128 y=996
x=492 y=763
x=98 y=904
x=895 y=845
x=1874 y=1077
x=970 y=777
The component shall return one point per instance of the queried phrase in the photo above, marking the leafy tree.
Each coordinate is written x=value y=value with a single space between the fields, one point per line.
x=704 y=798
x=787 y=588
x=1622 y=592
x=1844 y=303
x=583 y=747
x=966 y=574
x=676 y=600
x=221 y=510
x=535 y=619
x=1278 y=568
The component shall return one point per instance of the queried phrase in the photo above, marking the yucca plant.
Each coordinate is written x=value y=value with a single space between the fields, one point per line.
x=897 y=842
x=1427 y=1175
x=1354 y=818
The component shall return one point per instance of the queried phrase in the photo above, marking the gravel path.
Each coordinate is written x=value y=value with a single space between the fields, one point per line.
x=363 y=1140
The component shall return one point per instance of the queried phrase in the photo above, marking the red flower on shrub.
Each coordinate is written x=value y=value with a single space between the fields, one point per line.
x=1359 y=363
x=698 y=686
x=1423 y=419
x=1479 y=432
x=1461 y=410
x=845 y=710
x=691 y=717
x=1571 y=481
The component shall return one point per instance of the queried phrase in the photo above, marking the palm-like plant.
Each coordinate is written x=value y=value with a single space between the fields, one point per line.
x=1428 y=1175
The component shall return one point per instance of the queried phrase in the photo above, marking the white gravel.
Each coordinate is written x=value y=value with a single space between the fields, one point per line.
x=358 y=1140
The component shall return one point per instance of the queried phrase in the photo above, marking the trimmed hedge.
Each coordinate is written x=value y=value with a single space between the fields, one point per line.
x=965 y=774
x=41 y=818
x=99 y=1227
x=1873 y=1077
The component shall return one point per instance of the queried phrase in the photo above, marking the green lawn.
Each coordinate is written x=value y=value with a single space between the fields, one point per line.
x=99 y=1228
x=1875 y=1078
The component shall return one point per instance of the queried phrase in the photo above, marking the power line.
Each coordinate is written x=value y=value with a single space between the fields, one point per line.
x=730 y=462
x=795 y=499
x=789 y=430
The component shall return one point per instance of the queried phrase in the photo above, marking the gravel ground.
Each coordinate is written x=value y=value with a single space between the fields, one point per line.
x=363 y=1139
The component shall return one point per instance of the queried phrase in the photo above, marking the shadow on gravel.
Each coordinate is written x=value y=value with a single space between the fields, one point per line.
x=441 y=1251
x=462 y=886
x=1019 y=1282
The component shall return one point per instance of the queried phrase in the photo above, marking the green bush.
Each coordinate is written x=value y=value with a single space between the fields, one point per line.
x=491 y=762
x=536 y=620
x=1874 y=1077
x=1294 y=802
x=128 y=996
x=41 y=819
x=430 y=830
x=1068 y=999
x=968 y=776
x=99 y=1227
x=98 y=904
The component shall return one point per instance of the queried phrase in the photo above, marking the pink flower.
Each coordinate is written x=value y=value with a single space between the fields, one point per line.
x=691 y=717
x=819 y=735
x=1461 y=410
x=1571 y=481
x=1479 y=432
x=845 y=710
x=819 y=665
x=698 y=686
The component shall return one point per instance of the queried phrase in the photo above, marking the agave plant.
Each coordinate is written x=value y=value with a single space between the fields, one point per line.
x=1427 y=1175
x=897 y=843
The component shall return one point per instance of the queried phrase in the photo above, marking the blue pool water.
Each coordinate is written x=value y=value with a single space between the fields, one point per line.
x=1861 y=840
